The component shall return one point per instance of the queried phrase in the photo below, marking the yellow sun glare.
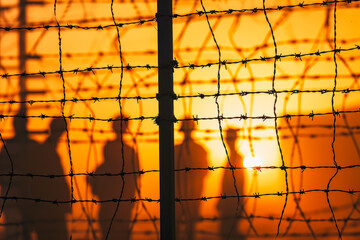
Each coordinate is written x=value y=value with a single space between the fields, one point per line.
x=250 y=162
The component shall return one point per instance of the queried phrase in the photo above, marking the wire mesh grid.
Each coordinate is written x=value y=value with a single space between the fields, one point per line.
x=266 y=118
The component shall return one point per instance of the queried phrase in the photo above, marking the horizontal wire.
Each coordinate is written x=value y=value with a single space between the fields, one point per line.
x=209 y=138
x=255 y=127
x=260 y=10
x=200 y=95
x=220 y=197
x=157 y=119
x=185 y=169
x=78 y=70
x=200 y=219
x=151 y=52
x=270 y=92
x=75 y=26
x=75 y=100
x=280 y=56
x=189 y=66
x=198 y=13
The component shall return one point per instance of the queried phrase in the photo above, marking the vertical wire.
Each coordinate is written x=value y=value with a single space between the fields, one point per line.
x=219 y=118
x=276 y=124
x=72 y=200
x=334 y=127
x=121 y=120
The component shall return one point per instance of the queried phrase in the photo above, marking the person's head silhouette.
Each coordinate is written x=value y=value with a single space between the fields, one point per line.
x=57 y=127
x=116 y=125
x=231 y=136
x=187 y=127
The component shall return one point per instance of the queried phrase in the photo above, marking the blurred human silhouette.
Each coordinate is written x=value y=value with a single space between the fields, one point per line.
x=109 y=187
x=230 y=208
x=48 y=221
x=188 y=184
x=21 y=150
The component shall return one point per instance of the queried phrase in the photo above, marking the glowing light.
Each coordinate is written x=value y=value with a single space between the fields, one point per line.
x=250 y=162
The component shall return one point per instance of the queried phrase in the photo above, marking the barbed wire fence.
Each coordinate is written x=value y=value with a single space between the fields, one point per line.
x=86 y=69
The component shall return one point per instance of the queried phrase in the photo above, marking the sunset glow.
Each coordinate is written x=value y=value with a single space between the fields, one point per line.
x=252 y=162
x=256 y=83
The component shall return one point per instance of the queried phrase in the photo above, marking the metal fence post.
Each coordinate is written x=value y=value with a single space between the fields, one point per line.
x=165 y=120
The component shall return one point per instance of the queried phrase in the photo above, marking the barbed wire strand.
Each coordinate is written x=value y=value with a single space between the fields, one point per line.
x=334 y=127
x=209 y=131
x=121 y=123
x=295 y=133
x=275 y=120
x=239 y=49
x=194 y=118
x=242 y=209
x=219 y=113
x=351 y=132
x=63 y=108
x=200 y=219
x=154 y=19
x=296 y=146
x=219 y=197
x=188 y=66
x=31 y=102
x=185 y=169
x=220 y=118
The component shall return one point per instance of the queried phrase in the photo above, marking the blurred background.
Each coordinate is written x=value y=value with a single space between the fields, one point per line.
x=86 y=44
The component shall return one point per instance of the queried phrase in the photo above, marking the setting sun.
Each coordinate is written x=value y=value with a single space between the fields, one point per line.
x=252 y=162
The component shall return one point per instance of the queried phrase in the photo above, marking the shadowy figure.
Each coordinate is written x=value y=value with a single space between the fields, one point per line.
x=188 y=184
x=229 y=208
x=22 y=150
x=48 y=221
x=109 y=187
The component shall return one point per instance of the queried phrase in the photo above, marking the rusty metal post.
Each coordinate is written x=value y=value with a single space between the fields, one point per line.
x=165 y=120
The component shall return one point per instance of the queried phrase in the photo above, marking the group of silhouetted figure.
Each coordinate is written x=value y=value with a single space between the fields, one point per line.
x=26 y=218
x=190 y=185
x=28 y=156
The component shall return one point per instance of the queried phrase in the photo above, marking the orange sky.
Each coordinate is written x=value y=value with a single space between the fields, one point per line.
x=240 y=36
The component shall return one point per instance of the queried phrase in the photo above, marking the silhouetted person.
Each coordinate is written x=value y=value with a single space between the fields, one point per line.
x=189 y=184
x=229 y=208
x=109 y=187
x=48 y=220
x=21 y=150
